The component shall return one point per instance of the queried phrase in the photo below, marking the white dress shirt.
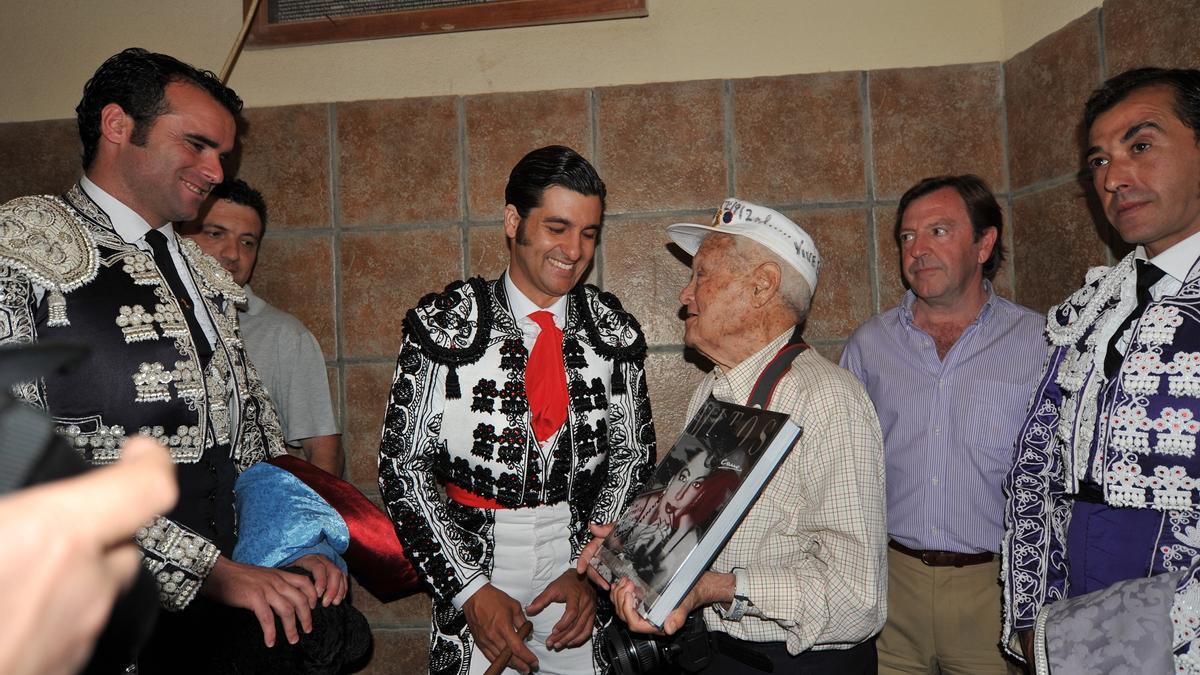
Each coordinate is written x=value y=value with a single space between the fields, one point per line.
x=132 y=229
x=1177 y=263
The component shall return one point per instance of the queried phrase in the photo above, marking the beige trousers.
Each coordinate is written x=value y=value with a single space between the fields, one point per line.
x=942 y=619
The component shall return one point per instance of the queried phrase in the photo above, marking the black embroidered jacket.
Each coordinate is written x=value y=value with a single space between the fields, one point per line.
x=65 y=275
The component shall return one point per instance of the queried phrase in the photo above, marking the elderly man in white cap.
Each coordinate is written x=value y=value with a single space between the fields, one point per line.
x=802 y=581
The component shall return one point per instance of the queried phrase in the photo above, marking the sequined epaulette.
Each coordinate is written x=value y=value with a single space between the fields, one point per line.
x=1066 y=323
x=43 y=238
x=615 y=333
x=216 y=279
x=453 y=326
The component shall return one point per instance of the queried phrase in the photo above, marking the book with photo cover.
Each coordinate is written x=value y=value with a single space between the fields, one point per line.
x=673 y=530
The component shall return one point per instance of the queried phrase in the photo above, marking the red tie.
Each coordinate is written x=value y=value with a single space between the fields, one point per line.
x=546 y=379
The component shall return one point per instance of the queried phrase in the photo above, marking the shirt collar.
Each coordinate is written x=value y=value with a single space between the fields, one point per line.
x=254 y=304
x=906 y=305
x=1176 y=261
x=736 y=384
x=522 y=306
x=128 y=224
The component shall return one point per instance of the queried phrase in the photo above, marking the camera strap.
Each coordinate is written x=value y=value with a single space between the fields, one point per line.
x=768 y=379
x=760 y=397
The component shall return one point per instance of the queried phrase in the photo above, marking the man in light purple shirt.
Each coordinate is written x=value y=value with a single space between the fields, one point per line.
x=950 y=372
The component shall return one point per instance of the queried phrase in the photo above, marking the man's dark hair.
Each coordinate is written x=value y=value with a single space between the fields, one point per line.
x=136 y=80
x=238 y=192
x=1185 y=83
x=544 y=167
x=982 y=209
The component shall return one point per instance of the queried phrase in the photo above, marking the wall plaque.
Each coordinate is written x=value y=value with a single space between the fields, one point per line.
x=281 y=23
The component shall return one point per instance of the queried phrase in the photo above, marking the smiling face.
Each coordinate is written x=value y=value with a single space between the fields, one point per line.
x=230 y=233
x=1145 y=167
x=940 y=257
x=167 y=177
x=557 y=242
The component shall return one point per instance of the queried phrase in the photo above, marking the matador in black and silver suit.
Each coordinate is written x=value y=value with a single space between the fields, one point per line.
x=66 y=275
x=458 y=416
x=101 y=266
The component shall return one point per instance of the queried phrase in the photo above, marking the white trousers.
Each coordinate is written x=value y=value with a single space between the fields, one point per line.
x=533 y=548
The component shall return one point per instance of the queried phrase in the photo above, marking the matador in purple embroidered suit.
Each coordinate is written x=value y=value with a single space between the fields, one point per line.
x=1105 y=488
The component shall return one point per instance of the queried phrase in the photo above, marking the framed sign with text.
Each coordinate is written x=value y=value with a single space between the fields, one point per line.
x=280 y=23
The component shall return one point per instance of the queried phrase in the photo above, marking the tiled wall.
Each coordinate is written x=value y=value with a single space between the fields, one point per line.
x=375 y=203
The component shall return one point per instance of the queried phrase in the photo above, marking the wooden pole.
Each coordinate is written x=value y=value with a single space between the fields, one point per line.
x=241 y=40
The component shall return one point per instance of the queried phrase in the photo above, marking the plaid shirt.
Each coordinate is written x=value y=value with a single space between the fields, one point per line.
x=814 y=544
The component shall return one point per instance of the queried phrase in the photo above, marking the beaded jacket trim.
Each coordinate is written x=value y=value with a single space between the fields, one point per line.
x=43 y=238
x=453 y=327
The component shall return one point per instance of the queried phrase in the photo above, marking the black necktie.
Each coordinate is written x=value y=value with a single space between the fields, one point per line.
x=1147 y=275
x=166 y=265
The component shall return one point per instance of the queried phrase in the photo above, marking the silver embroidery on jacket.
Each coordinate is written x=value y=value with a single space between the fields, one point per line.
x=151 y=381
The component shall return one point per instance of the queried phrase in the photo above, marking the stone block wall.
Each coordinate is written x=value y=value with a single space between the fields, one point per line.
x=374 y=203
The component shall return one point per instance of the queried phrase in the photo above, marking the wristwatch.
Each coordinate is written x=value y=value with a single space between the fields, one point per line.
x=741 y=603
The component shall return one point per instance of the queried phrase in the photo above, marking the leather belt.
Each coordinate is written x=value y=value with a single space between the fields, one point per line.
x=943 y=558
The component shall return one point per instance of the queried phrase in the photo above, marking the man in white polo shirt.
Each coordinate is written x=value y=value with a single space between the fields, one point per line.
x=288 y=358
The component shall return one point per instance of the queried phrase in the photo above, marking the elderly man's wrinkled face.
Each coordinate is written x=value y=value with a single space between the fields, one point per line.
x=715 y=297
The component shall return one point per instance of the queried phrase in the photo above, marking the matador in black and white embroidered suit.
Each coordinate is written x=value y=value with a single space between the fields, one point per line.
x=458 y=415
x=67 y=275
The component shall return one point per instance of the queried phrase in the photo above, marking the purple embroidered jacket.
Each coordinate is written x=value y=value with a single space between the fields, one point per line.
x=1139 y=433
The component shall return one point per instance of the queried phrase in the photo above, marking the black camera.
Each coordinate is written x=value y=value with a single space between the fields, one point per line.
x=687 y=650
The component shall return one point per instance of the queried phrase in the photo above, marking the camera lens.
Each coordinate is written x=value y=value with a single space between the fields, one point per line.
x=629 y=655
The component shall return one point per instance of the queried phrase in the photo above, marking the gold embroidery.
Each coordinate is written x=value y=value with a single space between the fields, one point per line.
x=214 y=279
x=189 y=384
x=173 y=324
x=218 y=397
x=178 y=559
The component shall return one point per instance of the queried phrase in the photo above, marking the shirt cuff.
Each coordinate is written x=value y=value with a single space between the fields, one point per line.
x=762 y=586
x=470 y=589
x=751 y=608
